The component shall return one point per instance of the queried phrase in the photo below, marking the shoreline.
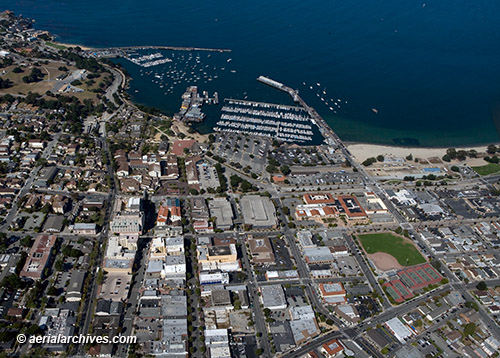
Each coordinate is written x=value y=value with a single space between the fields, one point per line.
x=363 y=151
x=353 y=146
x=68 y=45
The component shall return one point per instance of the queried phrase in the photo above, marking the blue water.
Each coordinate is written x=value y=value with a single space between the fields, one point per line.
x=431 y=71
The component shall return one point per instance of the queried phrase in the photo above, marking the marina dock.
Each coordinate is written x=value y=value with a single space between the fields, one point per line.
x=327 y=132
x=286 y=123
x=123 y=51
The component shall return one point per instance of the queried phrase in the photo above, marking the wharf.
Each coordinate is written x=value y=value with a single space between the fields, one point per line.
x=121 y=51
x=330 y=136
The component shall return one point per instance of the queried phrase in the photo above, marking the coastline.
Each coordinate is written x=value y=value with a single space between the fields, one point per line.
x=71 y=45
x=362 y=151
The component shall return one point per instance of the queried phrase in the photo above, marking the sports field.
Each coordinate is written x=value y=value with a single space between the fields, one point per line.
x=399 y=248
x=489 y=168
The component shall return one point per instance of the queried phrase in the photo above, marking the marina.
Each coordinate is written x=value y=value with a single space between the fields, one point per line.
x=326 y=131
x=277 y=121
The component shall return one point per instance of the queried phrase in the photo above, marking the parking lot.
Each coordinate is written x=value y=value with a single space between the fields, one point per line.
x=281 y=255
x=323 y=178
x=242 y=150
x=208 y=176
x=347 y=265
x=300 y=156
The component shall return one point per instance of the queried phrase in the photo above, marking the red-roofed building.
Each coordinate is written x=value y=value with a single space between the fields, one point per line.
x=332 y=349
x=352 y=207
x=179 y=146
x=203 y=225
x=333 y=292
x=38 y=257
x=279 y=178
x=169 y=213
x=320 y=198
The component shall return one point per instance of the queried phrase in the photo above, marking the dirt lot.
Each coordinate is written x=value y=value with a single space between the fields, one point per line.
x=384 y=262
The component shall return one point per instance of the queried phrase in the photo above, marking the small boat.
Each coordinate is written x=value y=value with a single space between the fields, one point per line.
x=229 y=60
x=331 y=109
x=374 y=110
x=318 y=84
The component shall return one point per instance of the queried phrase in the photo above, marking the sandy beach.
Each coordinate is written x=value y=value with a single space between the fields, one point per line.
x=363 y=151
x=72 y=45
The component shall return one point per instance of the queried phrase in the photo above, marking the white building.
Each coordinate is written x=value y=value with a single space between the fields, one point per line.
x=399 y=330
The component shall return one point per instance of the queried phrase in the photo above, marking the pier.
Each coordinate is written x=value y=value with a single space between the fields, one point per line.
x=121 y=51
x=330 y=136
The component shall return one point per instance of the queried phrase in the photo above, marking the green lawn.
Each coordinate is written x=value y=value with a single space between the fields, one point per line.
x=404 y=252
x=57 y=46
x=489 y=168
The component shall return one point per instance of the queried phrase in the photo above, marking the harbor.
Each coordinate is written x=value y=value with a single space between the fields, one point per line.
x=277 y=121
x=172 y=71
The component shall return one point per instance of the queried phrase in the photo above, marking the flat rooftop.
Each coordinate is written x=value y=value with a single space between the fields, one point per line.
x=258 y=211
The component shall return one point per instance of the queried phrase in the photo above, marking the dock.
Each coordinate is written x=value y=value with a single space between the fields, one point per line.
x=104 y=52
x=330 y=136
x=286 y=123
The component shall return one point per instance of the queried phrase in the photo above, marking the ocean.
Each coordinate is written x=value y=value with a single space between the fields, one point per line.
x=430 y=68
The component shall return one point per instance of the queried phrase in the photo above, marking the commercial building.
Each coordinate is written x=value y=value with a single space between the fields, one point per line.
x=320 y=198
x=273 y=297
x=217 y=343
x=332 y=348
x=258 y=212
x=221 y=209
x=85 y=228
x=398 y=329
x=261 y=250
x=169 y=213
x=75 y=287
x=130 y=220
x=220 y=257
x=318 y=255
x=332 y=293
x=38 y=257
x=214 y=278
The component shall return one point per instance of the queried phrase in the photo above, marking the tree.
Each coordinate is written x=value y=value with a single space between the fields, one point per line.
x=285 y=169
x=271 y=168
x=5 y=83
x=35 y=76
x=491 y=149
x=59 y=265
x=481 y=286
x=52 y=291
x=380 y=158
x=409 y=157
x=469 y=329
x=454 y=168
x=369 y=161
x=452 y=153
x=446 y=158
